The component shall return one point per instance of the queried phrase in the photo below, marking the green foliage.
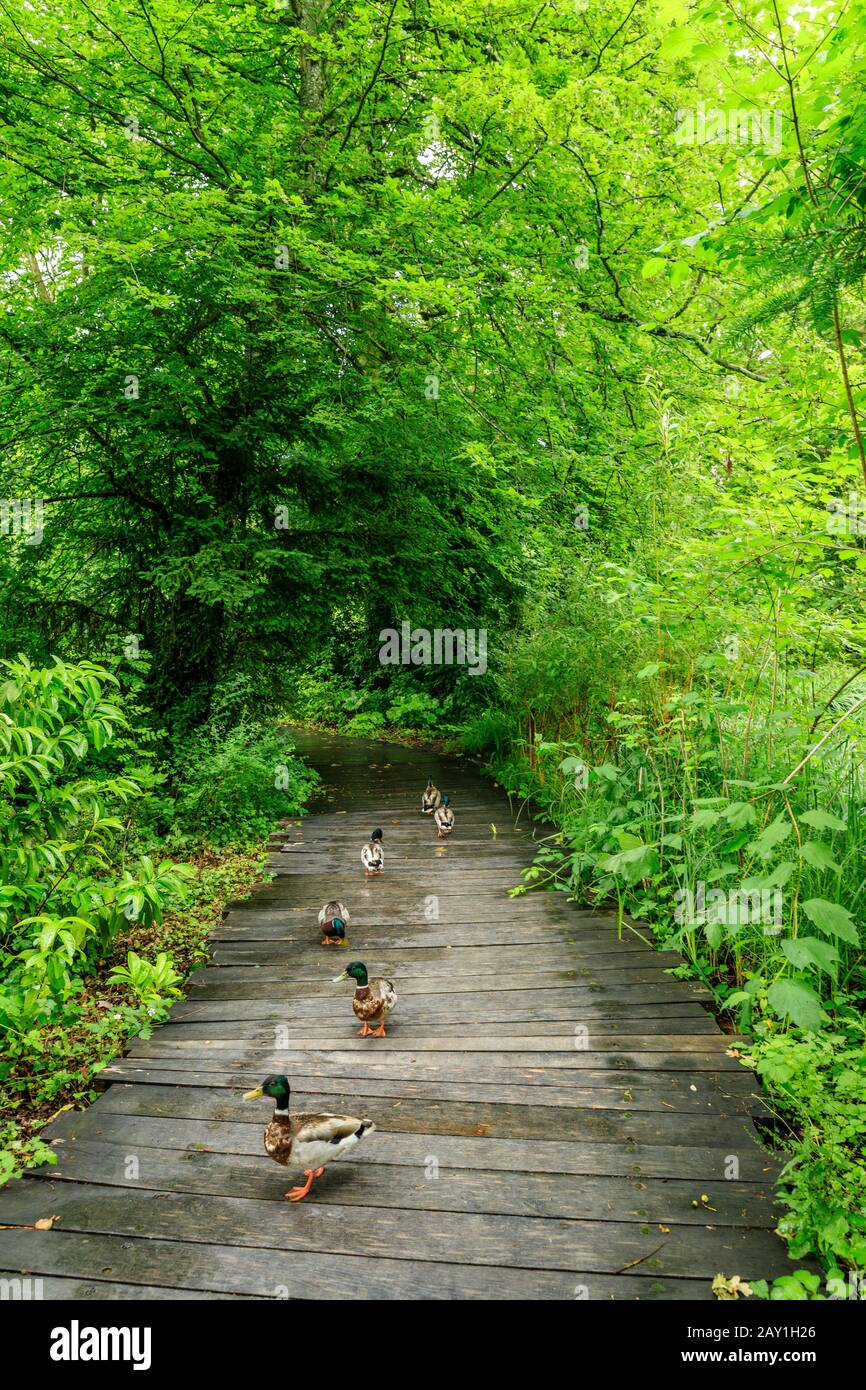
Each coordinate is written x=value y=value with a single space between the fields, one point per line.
x=800 y=1287
x=51 y=1065
x=371 y=706
x=818 y=1082
x=67 y=884
x=233 y=784
x=697 y=790
x=75 y=880
x=18 y=1152
x=150 y=983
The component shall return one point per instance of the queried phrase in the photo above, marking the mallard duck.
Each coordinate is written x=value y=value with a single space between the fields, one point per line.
x=372 y=856
x=306 y=1143
x=430 y=798
x=332 y=919
x=444 y=818
x=373 y=1001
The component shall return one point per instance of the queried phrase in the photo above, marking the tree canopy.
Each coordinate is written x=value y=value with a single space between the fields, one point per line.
x=318 y=314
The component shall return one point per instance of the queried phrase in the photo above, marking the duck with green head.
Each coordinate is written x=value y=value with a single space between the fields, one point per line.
x=373 y=1001
x=306 y=1142
x=332 y=919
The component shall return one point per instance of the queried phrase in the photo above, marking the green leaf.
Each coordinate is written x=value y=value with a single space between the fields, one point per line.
x=738 y=997
x=775 y=834
x=679 y=42
x=680 y=272
x=794 y=1000
x=832 y=918
x=821 y=820
x=802 y=951
x=816 y=853
x=608 y=771
x=633 y=864
x=740 y=814
x=702 y=819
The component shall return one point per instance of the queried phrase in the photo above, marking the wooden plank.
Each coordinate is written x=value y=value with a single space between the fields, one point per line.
x=260 y=1273
x=378 y=1233
x=403 y=936
x=211 y=985
x=486 y=1008
x=402 y=1116
x=89 y=1290
x=436 y=979
x=405 y=1062
x=587 y=1044
x=304 y=960
x=667 y=1201
x=155 y=1093
x=167 y=1070
x=411 y=1031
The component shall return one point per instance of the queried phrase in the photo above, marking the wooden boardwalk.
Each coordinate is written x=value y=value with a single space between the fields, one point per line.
x=550 y=1103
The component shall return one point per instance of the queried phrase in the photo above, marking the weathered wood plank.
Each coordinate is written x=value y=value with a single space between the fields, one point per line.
x=403 y=1062
x=158 y=1093
x=413 y=1030
x=586 y=1044
x=267 y=1273
x=210 y=984
x=435 y=1187
x=167 y=1069
x=384 y=1234
x=89 y=1290
x=567 y=1125
x=302 y=960
x=490 y=1006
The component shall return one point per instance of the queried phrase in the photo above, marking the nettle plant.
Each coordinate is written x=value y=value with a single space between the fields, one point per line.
x=684 y=808
x=65 y=890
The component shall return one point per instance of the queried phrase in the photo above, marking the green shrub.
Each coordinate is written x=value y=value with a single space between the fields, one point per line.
x=235 y=784
x=367 y=724
x=67 y=882
x=488 y=735
x=151 y=983
x=18 y=1152
x=818 y=1084
x=416 y=711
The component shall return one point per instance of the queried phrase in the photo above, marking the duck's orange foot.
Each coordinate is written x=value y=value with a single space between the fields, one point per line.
x=297 y=1194
x=378 y=1032
x=364 y=1032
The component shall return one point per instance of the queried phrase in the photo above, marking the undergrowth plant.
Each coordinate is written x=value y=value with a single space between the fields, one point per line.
x=714 y=788
x=67 y=884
